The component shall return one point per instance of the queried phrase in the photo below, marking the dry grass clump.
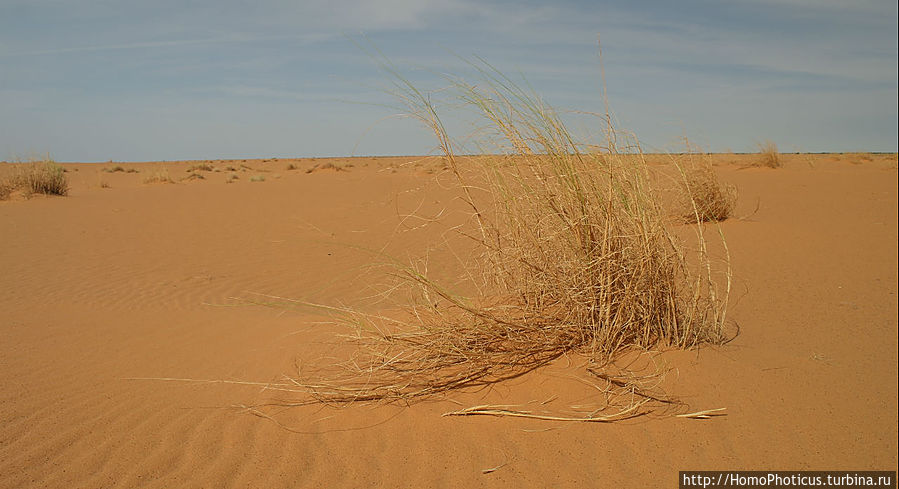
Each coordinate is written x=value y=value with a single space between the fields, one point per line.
x=257 y=178
x=707 y=199
x=120 y=169
x=5 y=189
x=43 y=176
x=770 y=155
x=575 y=257
x=859 y=158
x=327 y=166
x=46 y=177
x=160 y=176
x=201 y=167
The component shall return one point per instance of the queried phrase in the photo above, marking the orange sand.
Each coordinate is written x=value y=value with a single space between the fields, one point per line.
x=134 y=280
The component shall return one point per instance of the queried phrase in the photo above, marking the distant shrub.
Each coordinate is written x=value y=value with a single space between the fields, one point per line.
x=161 y=176
x=770 y=155
x=201 y=167
x=326 y=166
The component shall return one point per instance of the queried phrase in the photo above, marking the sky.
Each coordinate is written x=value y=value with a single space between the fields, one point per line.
x=142 y=80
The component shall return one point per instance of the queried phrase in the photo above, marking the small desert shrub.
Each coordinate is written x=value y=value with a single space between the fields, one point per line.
x=706 y=198
x=257 y=178
x=576 y=257
x=47 y=178
x=104 y=184
x=859 y=158
x=201 y=167
x=40 y=177
x=115 y=169
x=160 y=176
x=291 y=166
x=326 y=166
x=769 y=155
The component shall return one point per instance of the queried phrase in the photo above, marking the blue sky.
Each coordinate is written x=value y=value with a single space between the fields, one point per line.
x=94 y=80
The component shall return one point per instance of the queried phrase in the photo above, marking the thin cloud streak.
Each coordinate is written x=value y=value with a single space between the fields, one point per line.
x=708 y=66
x=307 y=39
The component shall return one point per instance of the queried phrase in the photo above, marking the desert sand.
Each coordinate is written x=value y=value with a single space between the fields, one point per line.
x=124 y=280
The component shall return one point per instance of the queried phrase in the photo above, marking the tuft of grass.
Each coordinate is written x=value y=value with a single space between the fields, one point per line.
x=327 y=166
x=46 y=177
x=575 y=257
x=40 y=176
x=706 y=197
x=6 y=189
x=291 y=166
x=770 y=157
x=201 y=167
x=859 y=158
x=160 y=176
x=120 y=169
x=257 y=178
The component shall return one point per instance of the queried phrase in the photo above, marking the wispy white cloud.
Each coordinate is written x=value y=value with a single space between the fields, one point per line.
x=194 y=58
x=115 y=47
x=176 y=43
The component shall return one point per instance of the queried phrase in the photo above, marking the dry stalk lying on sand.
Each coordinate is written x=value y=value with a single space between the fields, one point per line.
x=576 y=254
x=490 y=410
x=706 y=414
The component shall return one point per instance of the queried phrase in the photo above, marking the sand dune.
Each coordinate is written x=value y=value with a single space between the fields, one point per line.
x=124 y=279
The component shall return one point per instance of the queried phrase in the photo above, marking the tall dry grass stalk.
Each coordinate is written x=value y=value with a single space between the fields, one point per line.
x=576 y=256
